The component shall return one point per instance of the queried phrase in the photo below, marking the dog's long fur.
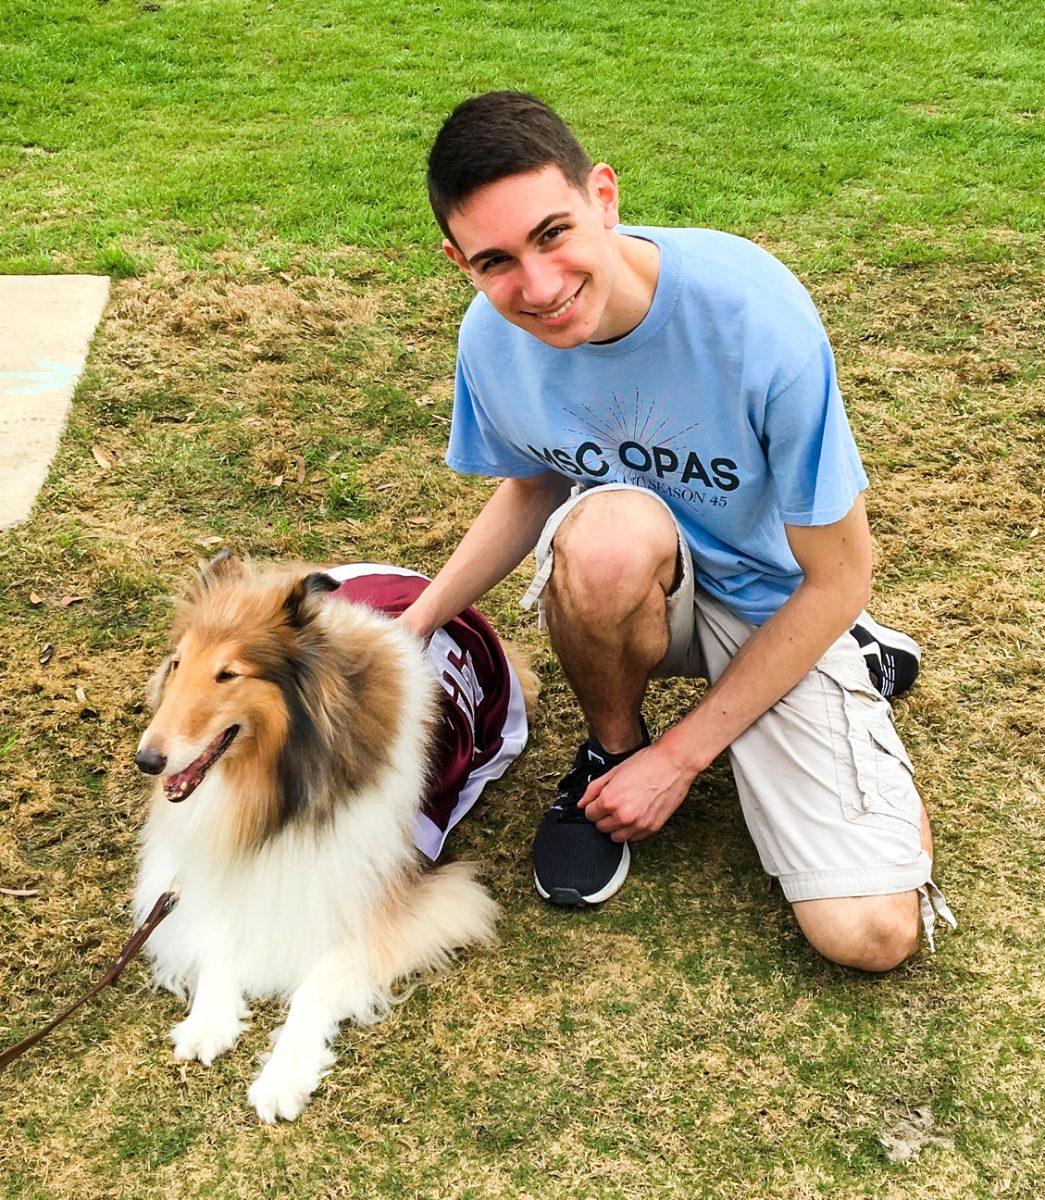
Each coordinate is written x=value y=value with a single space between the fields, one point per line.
x=294 y=856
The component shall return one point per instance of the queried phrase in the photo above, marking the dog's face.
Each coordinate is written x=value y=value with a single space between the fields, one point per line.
x=222 y=693
x=207 y=698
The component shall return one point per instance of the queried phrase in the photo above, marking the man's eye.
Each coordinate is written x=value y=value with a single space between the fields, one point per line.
x=225 y=676
x=551 y=234
x=174 y=664
x=492 y=262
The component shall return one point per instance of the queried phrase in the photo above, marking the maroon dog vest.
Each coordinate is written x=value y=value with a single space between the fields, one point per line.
x=482 y=726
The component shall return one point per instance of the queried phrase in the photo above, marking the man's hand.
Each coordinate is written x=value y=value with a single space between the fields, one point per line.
x=637 y=798
x=414 y=620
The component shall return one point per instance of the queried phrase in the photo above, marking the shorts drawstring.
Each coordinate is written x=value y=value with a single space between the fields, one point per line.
x=932 y=904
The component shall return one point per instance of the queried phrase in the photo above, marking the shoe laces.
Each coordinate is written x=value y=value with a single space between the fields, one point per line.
x=574 y=784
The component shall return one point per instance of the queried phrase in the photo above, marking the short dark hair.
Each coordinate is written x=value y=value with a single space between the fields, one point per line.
x=490 y=137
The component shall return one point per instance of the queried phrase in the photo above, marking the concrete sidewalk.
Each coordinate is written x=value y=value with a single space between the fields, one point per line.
x=46 y=325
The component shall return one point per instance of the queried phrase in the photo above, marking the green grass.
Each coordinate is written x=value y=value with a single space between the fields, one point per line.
x=217 y=126
x=252 y=178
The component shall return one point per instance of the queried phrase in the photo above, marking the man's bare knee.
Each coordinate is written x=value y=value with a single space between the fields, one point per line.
x=614 y=548
x=870 y=933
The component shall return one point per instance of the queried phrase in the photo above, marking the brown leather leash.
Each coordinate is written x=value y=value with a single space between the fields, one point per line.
x=162 y=908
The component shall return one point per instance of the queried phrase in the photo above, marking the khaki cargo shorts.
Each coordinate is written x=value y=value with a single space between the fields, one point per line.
x=825 y=784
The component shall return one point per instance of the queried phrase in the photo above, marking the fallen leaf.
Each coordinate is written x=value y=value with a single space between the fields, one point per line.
x=81 y=695
x=278 y=481
x=18 y=892
x=417 y=520
x=46 y=654
x=384 y=487
x=104 y=458
x=286 y=275
x=35 y=599
x=67 y=601
x=209 y=541
x=299 y=468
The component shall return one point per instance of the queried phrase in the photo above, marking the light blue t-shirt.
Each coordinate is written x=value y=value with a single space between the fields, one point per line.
x=723 y=401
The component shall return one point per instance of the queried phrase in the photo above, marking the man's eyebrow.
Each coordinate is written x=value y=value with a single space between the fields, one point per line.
x=534 y=233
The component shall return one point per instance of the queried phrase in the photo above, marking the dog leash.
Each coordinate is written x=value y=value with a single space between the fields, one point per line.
x=162 y=908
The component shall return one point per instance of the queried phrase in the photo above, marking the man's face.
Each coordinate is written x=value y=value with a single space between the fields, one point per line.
x=542 y=251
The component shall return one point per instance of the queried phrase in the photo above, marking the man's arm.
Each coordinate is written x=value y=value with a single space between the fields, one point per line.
x=636 y=798
x=499 y=538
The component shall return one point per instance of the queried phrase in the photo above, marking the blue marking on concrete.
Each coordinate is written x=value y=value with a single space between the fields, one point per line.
x=52 y=376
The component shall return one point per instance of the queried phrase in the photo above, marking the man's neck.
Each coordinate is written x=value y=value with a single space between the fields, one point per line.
x=633 y=288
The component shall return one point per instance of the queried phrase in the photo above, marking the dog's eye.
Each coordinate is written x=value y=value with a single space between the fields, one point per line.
x=225 y=676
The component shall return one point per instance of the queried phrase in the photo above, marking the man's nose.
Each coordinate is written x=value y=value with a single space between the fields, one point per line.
x=541 y=283
x=150 y=761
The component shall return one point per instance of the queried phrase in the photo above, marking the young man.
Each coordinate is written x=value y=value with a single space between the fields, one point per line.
x=680 y=384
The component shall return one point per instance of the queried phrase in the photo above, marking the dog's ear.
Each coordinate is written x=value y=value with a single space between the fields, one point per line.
x=155 y=687
x=224 y=567
x=297 y=604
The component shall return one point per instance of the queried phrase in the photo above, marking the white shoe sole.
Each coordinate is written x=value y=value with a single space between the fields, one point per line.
x=889 y=637
x=604 y=893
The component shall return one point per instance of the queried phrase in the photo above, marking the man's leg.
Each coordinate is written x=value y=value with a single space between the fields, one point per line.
x=617 y=614
x=829 y=799
x=873 y=933
x=606 y=606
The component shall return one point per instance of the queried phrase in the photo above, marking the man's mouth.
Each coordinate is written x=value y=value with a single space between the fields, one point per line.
x=554 y=314
x=181 y=785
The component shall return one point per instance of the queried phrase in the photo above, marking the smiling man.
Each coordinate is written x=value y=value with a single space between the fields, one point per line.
x=662 y=408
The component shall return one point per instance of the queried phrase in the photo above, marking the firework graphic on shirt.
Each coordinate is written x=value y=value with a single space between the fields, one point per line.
x=644 y=423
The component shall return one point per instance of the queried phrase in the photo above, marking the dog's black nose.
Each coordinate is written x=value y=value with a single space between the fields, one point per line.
x=150 y=761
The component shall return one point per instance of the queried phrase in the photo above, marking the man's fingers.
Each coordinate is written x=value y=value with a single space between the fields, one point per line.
x=593 y=791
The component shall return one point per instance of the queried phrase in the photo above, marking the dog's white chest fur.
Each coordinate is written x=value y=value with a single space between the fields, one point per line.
x=274 y=914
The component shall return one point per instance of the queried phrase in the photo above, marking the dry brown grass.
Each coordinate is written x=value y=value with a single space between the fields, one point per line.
x=681 y=1042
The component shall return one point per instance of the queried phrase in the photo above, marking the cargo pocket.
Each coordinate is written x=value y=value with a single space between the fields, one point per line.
x=875 y=774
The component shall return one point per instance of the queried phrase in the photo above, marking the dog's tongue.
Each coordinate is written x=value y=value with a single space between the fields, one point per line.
x=184 y=783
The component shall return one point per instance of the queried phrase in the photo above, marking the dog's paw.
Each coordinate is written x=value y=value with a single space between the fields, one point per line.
x=282 y=1089
x=205 y=1037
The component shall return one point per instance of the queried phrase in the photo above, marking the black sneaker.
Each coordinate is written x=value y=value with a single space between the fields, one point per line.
x=575 y=864
x=892 y=657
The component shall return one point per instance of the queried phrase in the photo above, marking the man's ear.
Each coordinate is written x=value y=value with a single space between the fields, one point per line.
x=458 y=259
x=604 y=191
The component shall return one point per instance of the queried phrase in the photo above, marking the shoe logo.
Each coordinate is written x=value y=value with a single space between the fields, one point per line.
x=597 y=757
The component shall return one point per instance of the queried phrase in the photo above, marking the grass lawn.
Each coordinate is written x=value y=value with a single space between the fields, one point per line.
x=273 y=371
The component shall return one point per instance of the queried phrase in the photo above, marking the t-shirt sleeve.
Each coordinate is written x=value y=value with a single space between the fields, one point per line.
x=476 y=447
x=813 y=459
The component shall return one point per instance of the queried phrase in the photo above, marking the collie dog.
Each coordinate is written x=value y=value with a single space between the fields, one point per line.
x=300 y=728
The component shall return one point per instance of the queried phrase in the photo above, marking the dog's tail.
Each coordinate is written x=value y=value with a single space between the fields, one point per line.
x=520 y=660
x=440 y=912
